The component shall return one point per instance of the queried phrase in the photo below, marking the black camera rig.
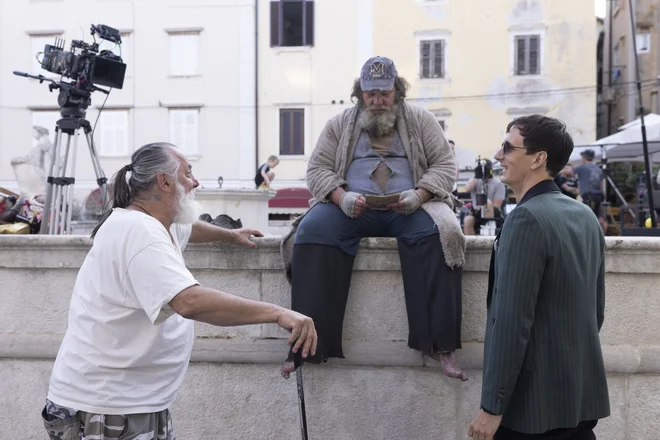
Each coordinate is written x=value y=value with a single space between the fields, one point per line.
x=85 y=66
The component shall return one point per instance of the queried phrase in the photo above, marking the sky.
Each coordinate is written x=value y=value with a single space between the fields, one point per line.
x=600 y=8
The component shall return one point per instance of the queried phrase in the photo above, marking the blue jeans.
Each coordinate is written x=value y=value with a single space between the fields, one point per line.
x=327 y=224
x=325 y=247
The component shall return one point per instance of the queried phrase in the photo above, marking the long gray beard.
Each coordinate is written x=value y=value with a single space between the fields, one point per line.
x=188 y=209
x=378 y=125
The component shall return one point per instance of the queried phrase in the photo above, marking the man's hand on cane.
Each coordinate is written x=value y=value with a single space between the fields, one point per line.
x=303 y=332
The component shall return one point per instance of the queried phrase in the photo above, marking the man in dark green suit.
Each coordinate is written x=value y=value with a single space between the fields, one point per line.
x=543 y=373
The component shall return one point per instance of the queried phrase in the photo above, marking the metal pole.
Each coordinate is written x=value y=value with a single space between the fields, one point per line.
x=297 y=363
x=54 y=154
x=70 y=188
x=645 y=145
x=603 y=161
x=610 y=95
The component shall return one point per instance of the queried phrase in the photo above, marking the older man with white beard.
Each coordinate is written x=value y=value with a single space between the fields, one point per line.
x=375 y=165
x=130 y=327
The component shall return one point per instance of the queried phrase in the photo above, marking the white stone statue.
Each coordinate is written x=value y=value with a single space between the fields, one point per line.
x=31 y=169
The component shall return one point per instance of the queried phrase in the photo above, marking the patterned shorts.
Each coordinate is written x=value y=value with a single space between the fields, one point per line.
x=68 y=424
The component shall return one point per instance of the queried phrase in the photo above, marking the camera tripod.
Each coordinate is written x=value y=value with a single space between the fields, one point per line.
x=73 y=102
x=56 y=218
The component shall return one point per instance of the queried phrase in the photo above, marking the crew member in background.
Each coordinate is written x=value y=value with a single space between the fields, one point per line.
x=495 y=195
x=565 y=181
x=591 y=182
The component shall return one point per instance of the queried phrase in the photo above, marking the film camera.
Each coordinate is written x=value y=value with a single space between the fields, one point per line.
x=88 y=67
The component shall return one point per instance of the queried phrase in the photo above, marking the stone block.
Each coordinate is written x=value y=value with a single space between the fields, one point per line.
x=376 y=310
x=367 y=404
x=244 y=283
x=631 y=310
x=23 y=396
x=475 y=288
x=614 y=426
x=275 y=289
x=468 y=401
x=36 y=301
x=643 y=407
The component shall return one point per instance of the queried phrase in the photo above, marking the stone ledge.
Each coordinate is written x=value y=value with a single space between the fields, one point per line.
x=624 y=255
x=622 y=359
x=240 y=195
x=616 y=244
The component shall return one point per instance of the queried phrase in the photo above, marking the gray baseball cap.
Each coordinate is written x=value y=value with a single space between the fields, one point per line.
x=378 y=73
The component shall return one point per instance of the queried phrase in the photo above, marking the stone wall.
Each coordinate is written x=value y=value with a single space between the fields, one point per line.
x=382 y=390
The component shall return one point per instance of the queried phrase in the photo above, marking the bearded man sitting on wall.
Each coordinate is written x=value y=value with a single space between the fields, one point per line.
x=381 y=169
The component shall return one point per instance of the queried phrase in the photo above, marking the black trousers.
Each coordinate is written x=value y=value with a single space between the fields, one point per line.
x=583 y=431
x=321 y=278
x=594 y=200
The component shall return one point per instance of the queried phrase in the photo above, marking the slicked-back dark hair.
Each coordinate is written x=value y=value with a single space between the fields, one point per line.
x=542 y=133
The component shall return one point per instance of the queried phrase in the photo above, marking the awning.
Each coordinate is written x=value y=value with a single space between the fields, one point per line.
x=291 y=198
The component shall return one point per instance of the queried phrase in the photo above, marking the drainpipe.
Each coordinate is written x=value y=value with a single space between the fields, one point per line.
x=256 y=84
x=630 y=68
x=610 y=92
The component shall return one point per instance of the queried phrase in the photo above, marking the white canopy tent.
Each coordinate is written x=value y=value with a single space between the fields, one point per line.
x=650 y=119
x=623 y=146
x=626 y=144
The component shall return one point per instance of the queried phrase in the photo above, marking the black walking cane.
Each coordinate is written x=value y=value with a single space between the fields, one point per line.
x=297 y=362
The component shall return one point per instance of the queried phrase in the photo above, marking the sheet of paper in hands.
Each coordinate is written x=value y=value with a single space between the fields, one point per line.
x=380 y=202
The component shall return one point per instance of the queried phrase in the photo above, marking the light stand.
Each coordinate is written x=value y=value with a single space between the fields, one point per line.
x=645 y=145
x=608 y=179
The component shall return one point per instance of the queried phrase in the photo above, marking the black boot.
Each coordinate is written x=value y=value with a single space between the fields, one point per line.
x=433 y=296
x=320 y=280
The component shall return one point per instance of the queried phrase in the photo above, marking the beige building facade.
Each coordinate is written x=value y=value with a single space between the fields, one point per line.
x=621 y=96
x=192 y=74
x=309 y=54
x=474 y=66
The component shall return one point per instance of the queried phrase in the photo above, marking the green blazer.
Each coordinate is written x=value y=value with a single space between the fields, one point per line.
x=543 y=365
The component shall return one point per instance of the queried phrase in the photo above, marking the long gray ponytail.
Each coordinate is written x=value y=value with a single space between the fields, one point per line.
x=146 y=163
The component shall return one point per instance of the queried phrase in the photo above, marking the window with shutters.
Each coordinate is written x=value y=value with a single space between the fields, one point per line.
x=292 y=132
x=113 y=133
x=184 y=53
x=291 y=23
x=527 y=55
x=432 y=58
x=184 y=130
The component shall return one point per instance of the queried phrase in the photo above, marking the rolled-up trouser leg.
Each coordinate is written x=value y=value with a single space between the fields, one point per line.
x=320 y=280
x=433 y=296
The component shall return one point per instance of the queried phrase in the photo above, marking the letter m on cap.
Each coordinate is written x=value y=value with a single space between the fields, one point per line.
x=376 y=70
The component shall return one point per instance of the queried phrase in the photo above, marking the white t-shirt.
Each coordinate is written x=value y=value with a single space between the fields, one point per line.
x=125 y=350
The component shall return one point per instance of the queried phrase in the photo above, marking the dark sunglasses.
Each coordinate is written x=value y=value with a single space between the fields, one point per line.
x=508 y=148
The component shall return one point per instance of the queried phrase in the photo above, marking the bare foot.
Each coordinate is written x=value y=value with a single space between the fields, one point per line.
x=449 y=365
x=287 y=368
